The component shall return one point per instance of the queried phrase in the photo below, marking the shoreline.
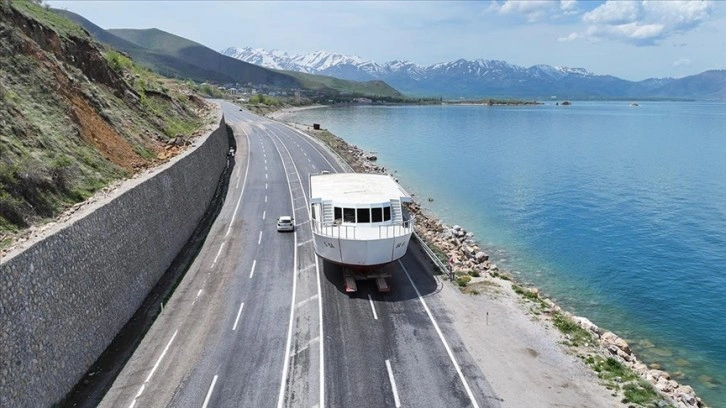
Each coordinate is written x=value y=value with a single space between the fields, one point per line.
x=488 y=288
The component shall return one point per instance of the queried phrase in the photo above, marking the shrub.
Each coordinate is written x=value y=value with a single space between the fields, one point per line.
x=462 y=281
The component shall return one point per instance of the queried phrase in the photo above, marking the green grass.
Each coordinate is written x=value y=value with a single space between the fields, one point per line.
x=45 y=164
x=577 y=335
x=463 y=280
x=618 y=376
x=49 y=18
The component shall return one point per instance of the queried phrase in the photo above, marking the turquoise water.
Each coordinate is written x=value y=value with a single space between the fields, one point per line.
x=616 y=212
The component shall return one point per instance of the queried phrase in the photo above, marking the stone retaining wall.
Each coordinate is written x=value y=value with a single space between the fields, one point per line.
x=66 y=297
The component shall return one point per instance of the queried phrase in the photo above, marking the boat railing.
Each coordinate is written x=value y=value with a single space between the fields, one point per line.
x=363 y=231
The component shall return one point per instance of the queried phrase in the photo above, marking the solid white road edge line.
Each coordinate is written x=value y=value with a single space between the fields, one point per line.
x=153 y=370
x=441 y=337
x=373 y=307
x=209 y=393
x=234 y=214
x=218 y=252
x=393 y=384
x=241 y=305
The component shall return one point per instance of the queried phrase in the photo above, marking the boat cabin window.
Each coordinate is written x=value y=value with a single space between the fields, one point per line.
x=364 y=215
x=313 y=209
x=361 y=215
x=349 y=215
x=377 y=214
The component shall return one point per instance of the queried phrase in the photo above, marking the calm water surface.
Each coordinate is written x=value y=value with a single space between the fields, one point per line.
x=617 y=212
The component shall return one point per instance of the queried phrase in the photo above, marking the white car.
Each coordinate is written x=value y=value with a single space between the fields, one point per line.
x=285 y=223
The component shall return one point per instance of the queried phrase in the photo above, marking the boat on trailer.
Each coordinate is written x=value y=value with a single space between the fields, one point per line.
x=359 y=222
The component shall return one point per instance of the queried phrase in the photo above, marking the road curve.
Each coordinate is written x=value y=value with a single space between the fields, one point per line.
x=260 y=321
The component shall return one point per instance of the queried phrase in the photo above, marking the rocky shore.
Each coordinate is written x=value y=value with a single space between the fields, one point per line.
x=470 y=268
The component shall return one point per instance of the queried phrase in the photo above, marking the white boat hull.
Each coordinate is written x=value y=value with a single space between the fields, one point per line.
x=361 y=252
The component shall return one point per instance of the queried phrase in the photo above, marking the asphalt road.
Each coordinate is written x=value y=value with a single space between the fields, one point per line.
x=260 y=321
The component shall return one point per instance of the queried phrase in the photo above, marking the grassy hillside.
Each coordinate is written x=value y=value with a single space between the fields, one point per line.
x=197 y=55
x=164 y=64
x=75 y=117
x=366 y=88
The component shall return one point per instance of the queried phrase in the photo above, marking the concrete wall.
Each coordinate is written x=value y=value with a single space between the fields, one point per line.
x=65 y=298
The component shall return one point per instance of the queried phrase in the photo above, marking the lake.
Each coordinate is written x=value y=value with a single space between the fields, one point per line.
x=616 y=212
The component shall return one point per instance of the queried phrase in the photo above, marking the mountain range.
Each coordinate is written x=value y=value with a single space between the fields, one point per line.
x=488 y=78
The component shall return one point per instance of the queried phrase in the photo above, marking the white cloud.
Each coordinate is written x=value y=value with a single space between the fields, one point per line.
x=569 y=7
x=613 y=12
x=533 y=11
x=645 y=22
x=569 y=37
x=682 y=62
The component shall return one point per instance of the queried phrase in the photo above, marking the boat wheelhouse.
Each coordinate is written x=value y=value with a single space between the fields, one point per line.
x=358 y=219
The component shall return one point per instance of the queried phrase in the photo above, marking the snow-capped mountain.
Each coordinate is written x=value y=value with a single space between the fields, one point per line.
x=464 y=78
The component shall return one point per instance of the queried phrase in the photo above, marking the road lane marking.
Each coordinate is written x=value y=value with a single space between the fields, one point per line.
x=441 y=337
x=373 y=307
x=199 y=293
x=241 y=305
x=259 y=240
x=209 y=393
x=265 y=198
x=265 y=186
x=305 y=242
x=263 y=214
x=234 y=214
x=321 y=354
x=302 y=302
x=218 y=252
x=153 y=370
x=306 y=346
x=265 y=176
x=393 y=384
x=252 y=271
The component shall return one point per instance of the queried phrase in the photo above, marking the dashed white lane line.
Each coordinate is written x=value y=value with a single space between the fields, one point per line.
x=241 y=305
x=209 y=393
x=265 y=176
x=373 y=307
x=252 y=271
x=265 y=198
x=218 y=252
x=153 y=370
x=263 y=214
x=199 y=293
x=265 y=186
x=441 y=337
x=393 y=384
x=259 y=240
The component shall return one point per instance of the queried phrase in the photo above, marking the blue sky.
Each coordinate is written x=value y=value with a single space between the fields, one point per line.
x=633 y=40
